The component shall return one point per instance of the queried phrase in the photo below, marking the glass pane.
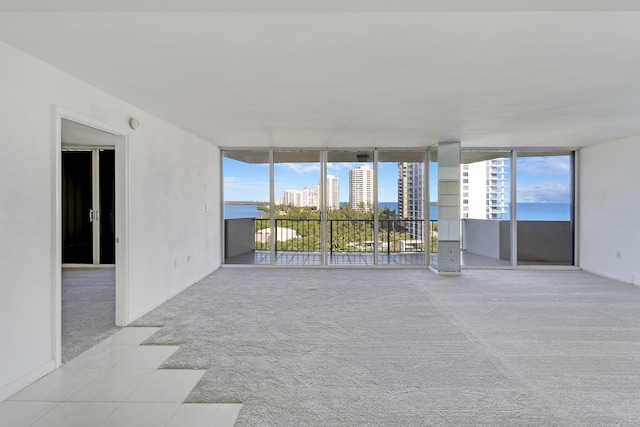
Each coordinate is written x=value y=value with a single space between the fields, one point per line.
x=401 y=219
x=433 y=208
x=246 y=206
x=544 y=205
x=297 y=217
x=484 y=203
x=349 y=204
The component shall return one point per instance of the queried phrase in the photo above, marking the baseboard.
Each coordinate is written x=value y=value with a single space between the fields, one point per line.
x=26 y=380
x=610 y=276
x=135 y=316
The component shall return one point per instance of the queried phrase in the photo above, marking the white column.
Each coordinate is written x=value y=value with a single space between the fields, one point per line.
x=449 y=207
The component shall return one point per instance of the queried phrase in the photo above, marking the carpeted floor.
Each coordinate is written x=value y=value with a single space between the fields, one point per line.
x=349 y=347
x=88 y=309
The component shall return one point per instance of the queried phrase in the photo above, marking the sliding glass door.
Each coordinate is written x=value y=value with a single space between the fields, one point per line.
x=544 y=208
x=529 y=223
x=485 y=208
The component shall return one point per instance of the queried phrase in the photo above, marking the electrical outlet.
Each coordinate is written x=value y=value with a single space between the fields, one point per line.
x=175 y=263
x=188 y=258
x=617 y=254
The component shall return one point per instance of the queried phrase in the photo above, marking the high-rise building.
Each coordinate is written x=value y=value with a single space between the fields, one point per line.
x=310 y=196
x=484 y=194
x=361 y=187
x=333 y=192
x=411 y=197
x=403 y=195
x=292 y=198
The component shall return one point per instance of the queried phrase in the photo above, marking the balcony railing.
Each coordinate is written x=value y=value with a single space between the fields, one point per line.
x=346 y=235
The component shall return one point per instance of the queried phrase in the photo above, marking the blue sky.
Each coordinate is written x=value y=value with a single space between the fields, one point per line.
x=544 y=179
x=540 y=179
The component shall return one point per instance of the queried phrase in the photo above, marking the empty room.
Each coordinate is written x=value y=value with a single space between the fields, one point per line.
x=319 y=214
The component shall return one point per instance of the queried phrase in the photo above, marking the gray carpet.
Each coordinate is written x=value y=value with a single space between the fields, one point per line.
x=88 y=309
x=348 y=347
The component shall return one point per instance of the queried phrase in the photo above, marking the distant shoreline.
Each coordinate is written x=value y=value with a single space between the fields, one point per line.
x=262 y=203
x=245 y=203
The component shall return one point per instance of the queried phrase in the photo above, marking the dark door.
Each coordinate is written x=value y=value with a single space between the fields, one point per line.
x=107 y=217
x=88 y=207
x=77 y=229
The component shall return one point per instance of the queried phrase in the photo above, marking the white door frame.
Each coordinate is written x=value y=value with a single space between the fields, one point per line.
x=122 y=221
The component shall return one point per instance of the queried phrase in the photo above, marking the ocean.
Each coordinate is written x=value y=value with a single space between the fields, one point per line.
x=241 y=211
x=526 y=211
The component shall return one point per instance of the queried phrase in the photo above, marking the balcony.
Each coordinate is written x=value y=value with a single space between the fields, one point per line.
x=348 y=242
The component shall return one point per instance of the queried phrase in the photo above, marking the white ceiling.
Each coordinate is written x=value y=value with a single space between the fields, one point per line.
x=268 y=73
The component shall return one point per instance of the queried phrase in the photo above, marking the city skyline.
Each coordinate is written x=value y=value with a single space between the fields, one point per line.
x=540 y=179
x=250 y=182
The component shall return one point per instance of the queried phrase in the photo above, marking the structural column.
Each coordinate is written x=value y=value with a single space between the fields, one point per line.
x=449 y=207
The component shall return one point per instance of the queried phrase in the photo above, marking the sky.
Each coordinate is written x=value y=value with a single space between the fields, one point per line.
x=544 y=179
x=539 y=180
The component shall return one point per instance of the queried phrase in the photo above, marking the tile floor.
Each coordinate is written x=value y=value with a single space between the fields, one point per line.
x=116 y=383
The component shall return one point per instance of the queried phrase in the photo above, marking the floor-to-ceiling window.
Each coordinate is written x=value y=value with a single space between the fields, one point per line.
x=349 y=204
x=432 y=187
x=544 y=207
x=334 y=207
x=485 y=195
x=379 y=207
x=403 y=226
x=531 y=223
x=297 y=208
x=247 y=207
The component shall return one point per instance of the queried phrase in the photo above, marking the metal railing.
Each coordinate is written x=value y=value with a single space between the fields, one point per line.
x=346 y=235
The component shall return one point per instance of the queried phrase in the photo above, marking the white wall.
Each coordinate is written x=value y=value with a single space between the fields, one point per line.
x=610 y=209
x=173 y=175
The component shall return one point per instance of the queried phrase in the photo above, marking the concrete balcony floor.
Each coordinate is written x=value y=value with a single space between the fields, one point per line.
x=339 y=258
x=468 y=260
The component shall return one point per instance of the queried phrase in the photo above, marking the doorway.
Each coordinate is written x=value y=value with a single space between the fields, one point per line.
x=91 y=180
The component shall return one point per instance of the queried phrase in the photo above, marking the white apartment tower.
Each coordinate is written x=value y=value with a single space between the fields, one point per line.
x=333 y=192
x=484 y=190
x=310 y=196
x=291 y=198
x=361 y=187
